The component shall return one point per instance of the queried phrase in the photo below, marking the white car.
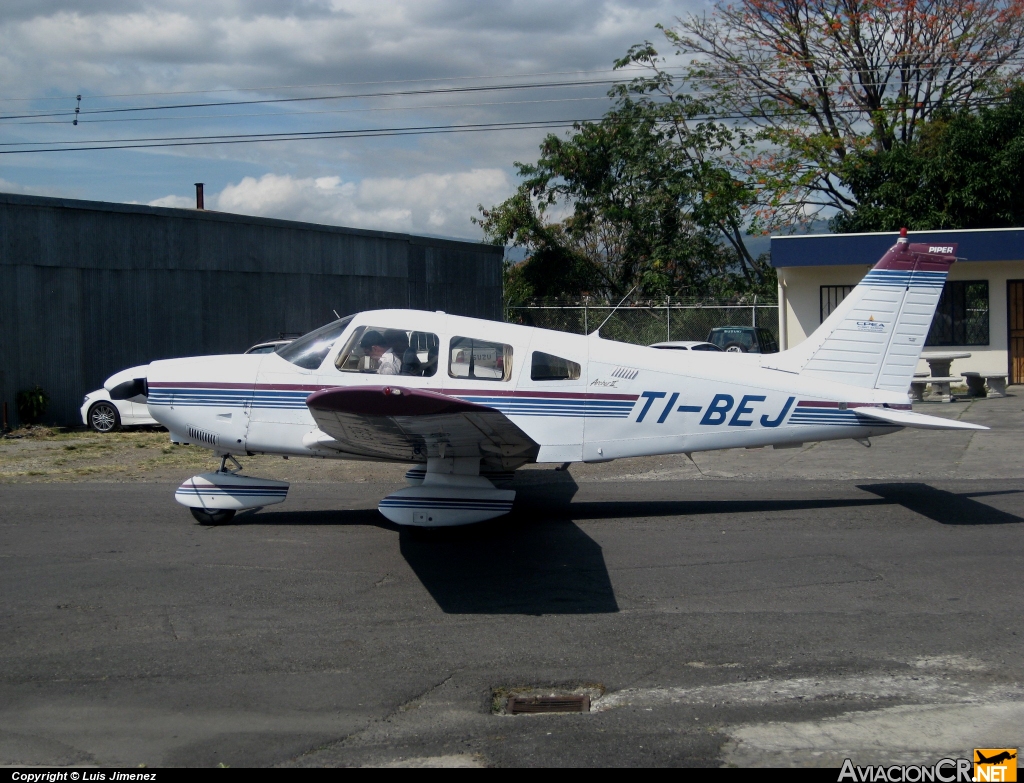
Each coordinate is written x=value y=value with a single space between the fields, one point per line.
x=103 y=414
x=686 y=345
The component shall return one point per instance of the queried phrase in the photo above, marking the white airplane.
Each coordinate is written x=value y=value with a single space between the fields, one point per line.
x=469 y=401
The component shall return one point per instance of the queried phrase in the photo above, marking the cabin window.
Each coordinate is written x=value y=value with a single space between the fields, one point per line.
x=310 y=350
x=961 y=317
x=479 y=360
x=383 y=351
x=546 y=367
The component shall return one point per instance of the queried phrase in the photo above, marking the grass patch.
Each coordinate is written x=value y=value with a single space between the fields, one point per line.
x=72 y=454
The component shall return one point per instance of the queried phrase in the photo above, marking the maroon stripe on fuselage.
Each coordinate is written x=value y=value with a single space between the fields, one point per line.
x=197 y=385
x=488 y=392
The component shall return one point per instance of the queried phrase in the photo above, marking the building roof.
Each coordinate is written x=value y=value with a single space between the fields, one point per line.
x=976 y=244
x=229 y=217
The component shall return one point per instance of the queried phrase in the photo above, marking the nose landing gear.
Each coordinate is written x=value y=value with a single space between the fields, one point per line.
x=213 y=498
x=219 y=517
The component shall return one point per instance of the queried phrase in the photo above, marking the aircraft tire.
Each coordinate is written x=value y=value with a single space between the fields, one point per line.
x=216 y=517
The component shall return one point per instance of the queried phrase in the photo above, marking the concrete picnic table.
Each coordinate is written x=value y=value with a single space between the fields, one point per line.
x=939 y=362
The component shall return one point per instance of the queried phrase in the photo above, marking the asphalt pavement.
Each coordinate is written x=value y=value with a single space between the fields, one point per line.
x=787 y=608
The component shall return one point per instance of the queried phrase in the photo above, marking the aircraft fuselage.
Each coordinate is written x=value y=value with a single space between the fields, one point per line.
x=627 y=400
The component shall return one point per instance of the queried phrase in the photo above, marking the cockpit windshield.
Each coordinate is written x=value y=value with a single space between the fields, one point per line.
x=310 y=350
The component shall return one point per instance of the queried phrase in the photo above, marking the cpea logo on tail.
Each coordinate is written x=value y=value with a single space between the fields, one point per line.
x=995 y=764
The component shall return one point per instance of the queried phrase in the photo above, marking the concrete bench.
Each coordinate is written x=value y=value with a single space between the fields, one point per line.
x=940 y=387
x=976 y=384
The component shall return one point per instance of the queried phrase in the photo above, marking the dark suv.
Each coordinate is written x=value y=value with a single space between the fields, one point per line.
x=743 y=339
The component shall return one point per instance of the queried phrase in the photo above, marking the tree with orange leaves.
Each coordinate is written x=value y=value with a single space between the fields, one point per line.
x=823 y=79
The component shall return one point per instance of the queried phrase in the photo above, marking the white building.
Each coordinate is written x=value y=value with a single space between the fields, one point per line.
x=982 y=305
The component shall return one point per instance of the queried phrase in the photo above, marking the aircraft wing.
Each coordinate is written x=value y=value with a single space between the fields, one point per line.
x=919 y=420
x=409 y=425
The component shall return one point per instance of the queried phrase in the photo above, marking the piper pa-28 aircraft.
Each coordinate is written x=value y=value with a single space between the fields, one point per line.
x=468 y=401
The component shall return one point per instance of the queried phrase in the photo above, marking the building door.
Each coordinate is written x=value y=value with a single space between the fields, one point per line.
x=1015 y=319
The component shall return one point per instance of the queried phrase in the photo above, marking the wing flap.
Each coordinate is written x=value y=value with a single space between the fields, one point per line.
x=412 y=425
x=917 y=420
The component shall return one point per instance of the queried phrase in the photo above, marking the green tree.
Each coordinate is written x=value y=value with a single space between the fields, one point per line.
x=646 y=197
x=963 y=170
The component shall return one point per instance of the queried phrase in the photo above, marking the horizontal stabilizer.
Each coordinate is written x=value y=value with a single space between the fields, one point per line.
x=918 y=420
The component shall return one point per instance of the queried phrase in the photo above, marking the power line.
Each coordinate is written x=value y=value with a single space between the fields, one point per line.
x=895 y=62
x=249 y=138
x=268 y=88
x=267 y=101
x=285 y=115
x=625 y=69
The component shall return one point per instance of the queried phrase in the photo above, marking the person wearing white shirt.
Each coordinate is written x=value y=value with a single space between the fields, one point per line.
x=383 y=352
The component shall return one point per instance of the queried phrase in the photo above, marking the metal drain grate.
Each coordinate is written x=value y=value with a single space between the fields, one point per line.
x=518 y=705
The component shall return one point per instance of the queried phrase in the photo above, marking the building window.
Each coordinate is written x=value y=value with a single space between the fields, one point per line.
x=831 y=296
x=962 y=315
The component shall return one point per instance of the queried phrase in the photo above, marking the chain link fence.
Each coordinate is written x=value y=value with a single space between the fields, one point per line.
x=646 y=323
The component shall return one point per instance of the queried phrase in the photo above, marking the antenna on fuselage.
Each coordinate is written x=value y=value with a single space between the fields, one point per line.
x=336 y=314
x=596 y=332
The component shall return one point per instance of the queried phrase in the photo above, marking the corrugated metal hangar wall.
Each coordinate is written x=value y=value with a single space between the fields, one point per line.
x=89 y=288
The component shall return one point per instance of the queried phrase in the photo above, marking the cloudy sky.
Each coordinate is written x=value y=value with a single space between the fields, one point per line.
x=163 y=58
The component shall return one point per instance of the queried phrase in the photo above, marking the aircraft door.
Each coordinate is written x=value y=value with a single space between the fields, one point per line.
x=280 y=418
x=552 y=386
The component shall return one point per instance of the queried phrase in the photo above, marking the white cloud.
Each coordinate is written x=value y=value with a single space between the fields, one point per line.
x=66 y=45
x=6 y=186
x=426 y=203
x=54 y=49
x=179 y=202
x=11 y=187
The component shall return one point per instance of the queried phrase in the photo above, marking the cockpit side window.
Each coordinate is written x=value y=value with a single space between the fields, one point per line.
x=545 y=367
x=480 y=360
x=310 y=350
x=384 y=351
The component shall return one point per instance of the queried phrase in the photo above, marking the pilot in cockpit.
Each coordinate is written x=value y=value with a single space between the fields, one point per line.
x=377 y=348
x=390 y=350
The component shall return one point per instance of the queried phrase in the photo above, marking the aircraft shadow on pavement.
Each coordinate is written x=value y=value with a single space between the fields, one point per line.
x=946 y=508
x=533 y=561
x=619 y=509
x=529 y=562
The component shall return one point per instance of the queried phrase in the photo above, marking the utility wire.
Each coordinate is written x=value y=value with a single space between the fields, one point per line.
x=249 y=138
x=896 y=60
x=38 y=116
x=897 y=63
x=286 y=114
x=349 y=96
x=268 y=88
x=193 y=141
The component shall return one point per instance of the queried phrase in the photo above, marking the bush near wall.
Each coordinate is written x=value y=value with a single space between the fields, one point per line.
x=32 y=404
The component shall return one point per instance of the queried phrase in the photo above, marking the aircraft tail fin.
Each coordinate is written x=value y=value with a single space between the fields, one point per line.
x=874 y=337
